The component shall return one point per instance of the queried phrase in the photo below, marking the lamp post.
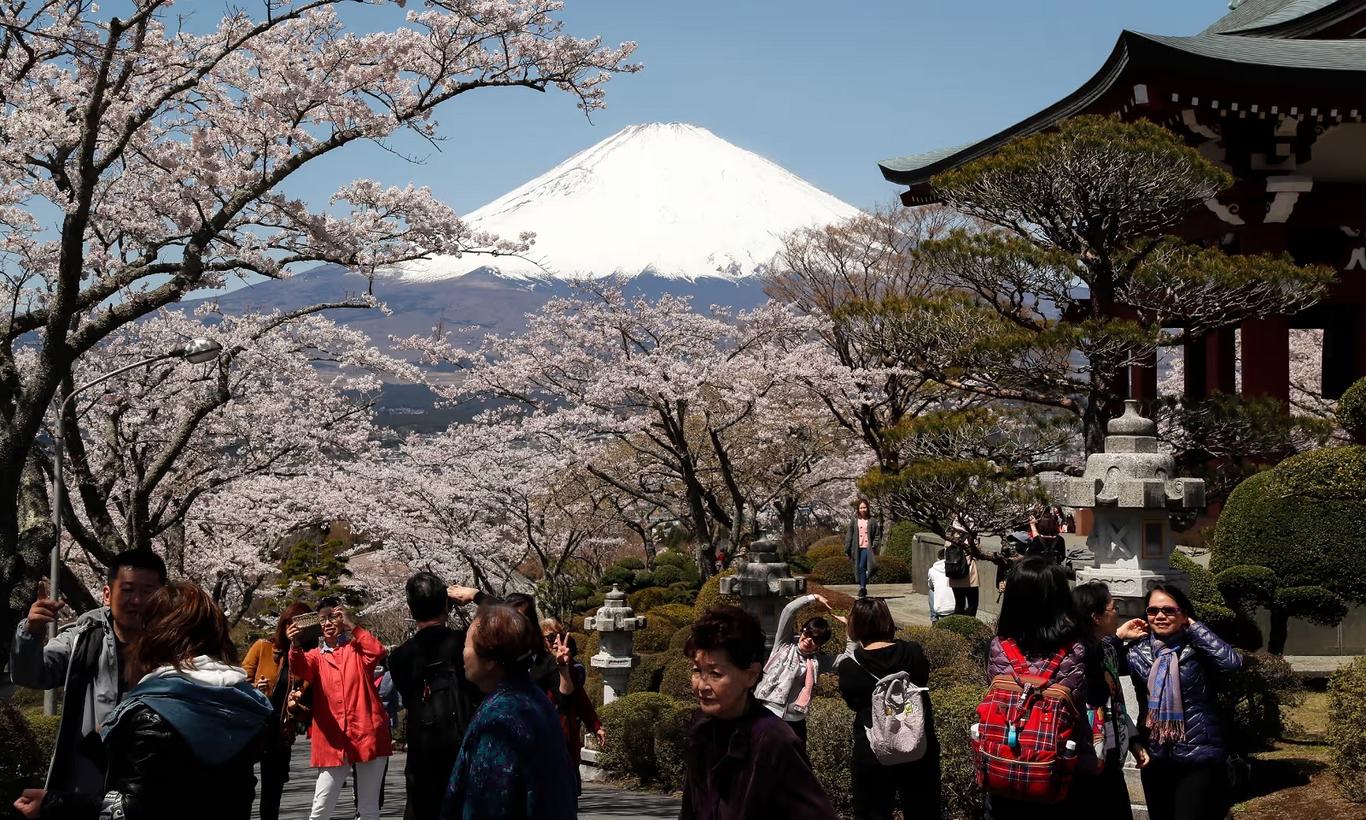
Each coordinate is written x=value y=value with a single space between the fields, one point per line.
x=197 y=351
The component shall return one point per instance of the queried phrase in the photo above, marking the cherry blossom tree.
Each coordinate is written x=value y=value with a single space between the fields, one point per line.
x=160 y=154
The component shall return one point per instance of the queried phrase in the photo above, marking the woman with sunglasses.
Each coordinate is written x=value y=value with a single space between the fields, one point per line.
x=1171 y=666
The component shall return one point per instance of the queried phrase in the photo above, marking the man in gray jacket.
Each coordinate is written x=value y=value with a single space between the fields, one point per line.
x=789 y=680
x=90 y=660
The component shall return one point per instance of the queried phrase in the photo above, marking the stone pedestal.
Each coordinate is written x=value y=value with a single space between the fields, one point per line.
x=764 y=585
x=1133 y=498
x=617 y=623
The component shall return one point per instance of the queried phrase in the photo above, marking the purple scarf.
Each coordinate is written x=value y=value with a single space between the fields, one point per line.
x=1166 y=720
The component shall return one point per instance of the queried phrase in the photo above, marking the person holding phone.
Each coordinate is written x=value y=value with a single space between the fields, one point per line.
x=350 y=725
x=267 y=668
x=91 y=661
x=1175 y=663
x=569 y=696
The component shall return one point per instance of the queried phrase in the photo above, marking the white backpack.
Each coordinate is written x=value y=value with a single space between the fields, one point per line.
x=898 y=731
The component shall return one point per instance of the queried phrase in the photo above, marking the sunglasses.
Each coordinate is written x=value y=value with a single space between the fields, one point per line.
x=1169 y=611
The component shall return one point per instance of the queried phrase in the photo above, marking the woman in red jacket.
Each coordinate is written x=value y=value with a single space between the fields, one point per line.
x=350 y=724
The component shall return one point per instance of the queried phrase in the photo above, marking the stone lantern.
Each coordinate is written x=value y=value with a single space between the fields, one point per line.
x=764 y=585
x=1136 y=497
x=616 y=622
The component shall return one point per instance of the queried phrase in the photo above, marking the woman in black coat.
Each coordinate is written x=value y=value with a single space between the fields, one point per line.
x=861 y=542
x=185 y=739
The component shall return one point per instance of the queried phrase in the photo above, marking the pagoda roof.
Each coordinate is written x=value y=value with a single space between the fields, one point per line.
x=1284 y=63
x=1263 y=15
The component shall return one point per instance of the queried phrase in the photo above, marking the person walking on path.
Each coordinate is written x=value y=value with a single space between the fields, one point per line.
x=513 y=764
x=90 y=662
x=1106 y=794
x=743 y=761
x=569 y=696
x=1174 y=667
x=193 y=723
x=1038 y=621
x=966 y=589
x=789 y=682
x=878 y=789
x=429 y=673
x=862 y=540
x=941 y=594
x=267 y=668
x=350 y=725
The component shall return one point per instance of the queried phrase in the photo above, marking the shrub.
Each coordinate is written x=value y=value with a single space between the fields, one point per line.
x=681 y=593
x=668 y=575
x=1351 y=411
x=648 y=672
x=900 y=539
x=1204 y=593
x=955 y=710
x=710 y=594
x=829 y=547
x=44 y=729
x=977 y=634
x=630 y=723
x=949 y=655
x=834 y=570
x=654 y=637
x=1247 y=587
x=593 y=686
x=829 y=743
x=618 y=576
x=891 y=570
x=799 y=564
x=1252 y=701
x=22 y=760
x=581 y=643
x=646 y=599
x=1347 y=728
x=644 y=579
x=677 y=679
x=678 y=639
x=828 y=685
x=673 y=558
x=630 y=562
x=675 y=615
x=671 y=744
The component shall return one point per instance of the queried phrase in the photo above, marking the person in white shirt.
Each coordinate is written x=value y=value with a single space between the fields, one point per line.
x=941 y=594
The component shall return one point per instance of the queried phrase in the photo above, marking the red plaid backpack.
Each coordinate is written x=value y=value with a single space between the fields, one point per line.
x=1023 y=741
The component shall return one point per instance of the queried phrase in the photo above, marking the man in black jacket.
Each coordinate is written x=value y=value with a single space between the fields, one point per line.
x=429 y=672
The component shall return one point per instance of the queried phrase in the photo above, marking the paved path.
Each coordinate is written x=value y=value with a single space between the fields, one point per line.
x=597 y=803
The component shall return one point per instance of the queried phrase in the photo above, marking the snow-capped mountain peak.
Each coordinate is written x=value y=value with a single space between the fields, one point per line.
x=668 y=198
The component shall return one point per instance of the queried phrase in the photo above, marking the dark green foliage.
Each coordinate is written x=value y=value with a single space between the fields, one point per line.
x=630 y=725
x=646 y=599
x=833 y=570
x=648 y=673
x=891 y=571
x=671 y=743
x=643 y=580
x=900 y=540
x=1252 y=701
x=977 y=634
x=828 y=547
x=631 y=562
x=955 y=710
x=673 y=615
x=618 y=576
x=799 y=564
x=22 y=759
x=680 y=593
x=677 y=679
x=666 y=576
x=710 y=594
x=1351 y=411
x=1305 y=520
x=1247 y=587
x=673 y=558
x=1210 y=606
x=949 y=655
x=654 y=637
x=678 y=639
x=829 y=742
x=314 y=571
x=1347 y=729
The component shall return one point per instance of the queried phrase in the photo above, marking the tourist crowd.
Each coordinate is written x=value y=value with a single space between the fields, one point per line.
x=158 y=715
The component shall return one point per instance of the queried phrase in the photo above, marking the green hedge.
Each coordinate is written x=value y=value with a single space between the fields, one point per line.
x=977 y=634
x=677 y=679
x=831 y=546
x=1347 y=729
x=1204 y=593
x=644 y=600
x=710 y=594
x=955 y=710
x=1253 y=700
x=24 y=753
x=829 y=744
x=675 y=615
x=833 y=570
x=671 y=745
x=900 y=539
x=630 y=725
x=648 y=673
x=891 y=570
x=655 y=636
x=1305 y=520
x=949 y=655
x=1351 y=411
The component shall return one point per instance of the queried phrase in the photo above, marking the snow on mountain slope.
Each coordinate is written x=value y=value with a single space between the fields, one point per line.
x=671 y=199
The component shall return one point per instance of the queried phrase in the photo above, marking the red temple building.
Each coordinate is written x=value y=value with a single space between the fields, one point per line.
x=1275 y=93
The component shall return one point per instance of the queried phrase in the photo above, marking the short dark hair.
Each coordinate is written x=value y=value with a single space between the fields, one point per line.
x=870 y=620
x=181 y=622
x=1037 y=611
x=1176 y=593
x=137 y=558
x=730 y=629
x=523 y=603
x=1090 y=599
x=427 y=599
x=1046 y=524
x=819 y=629
x=327 y=601
x=505 y=636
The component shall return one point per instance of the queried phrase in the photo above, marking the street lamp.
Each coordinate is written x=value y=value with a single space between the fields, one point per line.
x=197 y=351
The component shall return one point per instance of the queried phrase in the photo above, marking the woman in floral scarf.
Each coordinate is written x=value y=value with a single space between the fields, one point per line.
x=1174 y=668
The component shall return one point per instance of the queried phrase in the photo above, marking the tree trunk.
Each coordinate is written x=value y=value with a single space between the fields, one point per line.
x=1280 y=627
x=787 y=516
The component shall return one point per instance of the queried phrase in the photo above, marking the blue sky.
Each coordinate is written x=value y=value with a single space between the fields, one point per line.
x=825 y=89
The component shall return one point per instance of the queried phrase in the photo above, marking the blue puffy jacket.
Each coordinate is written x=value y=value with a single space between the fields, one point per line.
x=1201 y=654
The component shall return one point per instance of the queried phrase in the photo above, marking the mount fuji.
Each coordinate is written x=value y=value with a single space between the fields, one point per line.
x=672 y=207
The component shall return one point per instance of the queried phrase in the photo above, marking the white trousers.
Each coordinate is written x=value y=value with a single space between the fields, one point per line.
x=369 y=780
